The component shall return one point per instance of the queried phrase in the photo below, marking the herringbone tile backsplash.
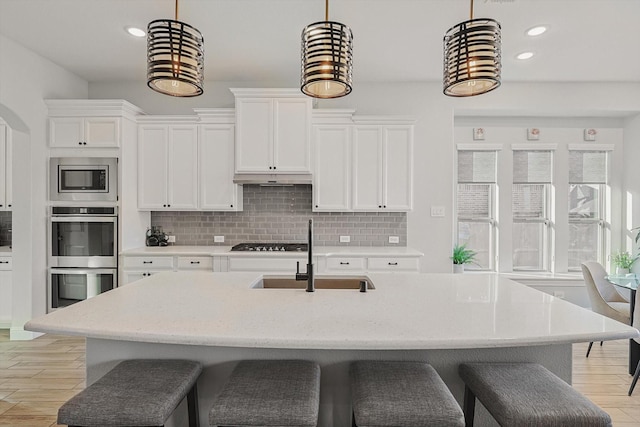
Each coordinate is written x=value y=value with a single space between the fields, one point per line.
x=280 y=214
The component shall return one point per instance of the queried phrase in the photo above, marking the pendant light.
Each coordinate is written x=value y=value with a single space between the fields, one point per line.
x=175 y=57
x=472 y=57
x=327 y=58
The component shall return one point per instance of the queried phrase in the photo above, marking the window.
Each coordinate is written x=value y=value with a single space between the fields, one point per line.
x=531 y=209
x=587 y=203
x=476 y=205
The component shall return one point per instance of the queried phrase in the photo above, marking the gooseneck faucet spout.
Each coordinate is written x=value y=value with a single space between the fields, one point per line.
x=308 y=276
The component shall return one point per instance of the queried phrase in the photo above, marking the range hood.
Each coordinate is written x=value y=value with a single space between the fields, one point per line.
x=272 y=179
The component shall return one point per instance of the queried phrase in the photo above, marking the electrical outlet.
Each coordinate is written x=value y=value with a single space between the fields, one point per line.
x=437 y=211
x=394 y=239
x=218 y=239
x=345 y=239
x=171 y=239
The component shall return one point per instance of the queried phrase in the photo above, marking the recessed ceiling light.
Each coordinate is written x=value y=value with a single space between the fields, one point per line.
x=137 y=32
x=536 y=31
x=524 y=55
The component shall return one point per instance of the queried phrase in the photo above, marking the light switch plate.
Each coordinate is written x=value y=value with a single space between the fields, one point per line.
x=345 y=239
x=218 y=239
x=171 y=239
x=437 y=210
x=394 y=239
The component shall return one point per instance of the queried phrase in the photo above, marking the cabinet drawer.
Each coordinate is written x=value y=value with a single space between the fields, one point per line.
x=346 y=264
x=287 y=265
x=6 y=263
x=157 y=262
x=195 y=263
x=393 y=264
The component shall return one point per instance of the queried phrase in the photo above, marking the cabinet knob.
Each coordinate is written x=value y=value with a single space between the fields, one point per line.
x=80 y=143
x=231 y=205
x=316 y=206
x=274 y=167
x=385 y=206
x=379 y=206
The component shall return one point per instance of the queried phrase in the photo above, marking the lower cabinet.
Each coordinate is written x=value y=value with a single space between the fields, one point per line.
x=268 y=264
x=352 y=265
x=6 y=294
x=139 y=267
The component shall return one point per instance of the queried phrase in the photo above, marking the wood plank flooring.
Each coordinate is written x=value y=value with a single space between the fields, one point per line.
x=38 y=376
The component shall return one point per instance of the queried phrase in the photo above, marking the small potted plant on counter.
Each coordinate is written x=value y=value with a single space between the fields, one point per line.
x=461 y=256
x=623 y=262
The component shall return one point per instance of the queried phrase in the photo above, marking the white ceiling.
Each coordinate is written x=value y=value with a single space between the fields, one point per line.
x=394 y=40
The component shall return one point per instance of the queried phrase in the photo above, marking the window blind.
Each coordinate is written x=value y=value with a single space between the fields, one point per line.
x=587 y=167
x=476 y=167
x=531 y=167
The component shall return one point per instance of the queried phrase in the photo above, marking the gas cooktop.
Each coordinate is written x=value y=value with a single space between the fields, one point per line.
x=271 y=247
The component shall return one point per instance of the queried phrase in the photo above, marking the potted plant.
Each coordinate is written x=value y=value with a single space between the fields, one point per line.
x=623 y=262
x=461 y=256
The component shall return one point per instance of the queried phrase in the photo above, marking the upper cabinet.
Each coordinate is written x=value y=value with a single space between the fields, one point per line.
x=383 y=167
x=6 y=194
x=273 y=131
x=167 y=166
x=87 y=123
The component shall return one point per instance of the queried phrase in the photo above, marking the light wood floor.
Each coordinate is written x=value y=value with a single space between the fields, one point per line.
x=37 y=376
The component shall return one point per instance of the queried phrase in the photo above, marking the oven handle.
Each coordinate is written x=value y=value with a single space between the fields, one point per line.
x=83 y=271
x=83 y=219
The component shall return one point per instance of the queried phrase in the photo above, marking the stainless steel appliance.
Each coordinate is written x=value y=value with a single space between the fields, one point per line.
x=71 y=285
x=83 y=179
x=83 y=253
x=271 y=247
x=83 y=237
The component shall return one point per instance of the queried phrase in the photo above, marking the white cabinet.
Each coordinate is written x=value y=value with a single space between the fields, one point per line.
x=383 y=168
x=331 y=168
x=167 y=167
x=272 y=132
x=266 y=263
x=71 y=132
x=201 y=263
x=6 y=158
x=5 y=291
x=216 y=160
x=139 y=267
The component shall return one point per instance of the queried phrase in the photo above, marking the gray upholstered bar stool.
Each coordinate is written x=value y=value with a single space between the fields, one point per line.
x=269 y=393
x=138 y=392
x=404 y=394
x=519 y=394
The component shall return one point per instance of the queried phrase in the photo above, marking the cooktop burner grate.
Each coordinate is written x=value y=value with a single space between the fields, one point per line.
x=271 y=247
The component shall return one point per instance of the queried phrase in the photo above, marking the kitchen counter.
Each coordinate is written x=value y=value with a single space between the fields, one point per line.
x=6 y=250
x=321 y=251
x=218 y=319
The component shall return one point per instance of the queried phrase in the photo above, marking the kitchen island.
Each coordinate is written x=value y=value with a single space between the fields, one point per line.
x=218 y=319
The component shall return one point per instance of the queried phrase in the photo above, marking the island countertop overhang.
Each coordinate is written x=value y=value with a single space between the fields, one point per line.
x=405 y=312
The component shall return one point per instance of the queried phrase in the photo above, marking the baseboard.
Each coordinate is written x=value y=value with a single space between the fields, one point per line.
x=19 y=334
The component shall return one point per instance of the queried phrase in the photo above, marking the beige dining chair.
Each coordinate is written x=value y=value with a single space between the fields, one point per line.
x=603 y=296
x=636 y=324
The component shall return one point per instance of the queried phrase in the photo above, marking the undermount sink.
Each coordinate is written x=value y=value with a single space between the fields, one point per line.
x=321 y=282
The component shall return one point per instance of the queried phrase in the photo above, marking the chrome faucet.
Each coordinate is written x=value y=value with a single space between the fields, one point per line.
x=308 y=276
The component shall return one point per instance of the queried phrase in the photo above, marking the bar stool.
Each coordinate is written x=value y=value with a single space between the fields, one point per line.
x=404 y=394
x=138 y=392
x=518 y=394
x=269 y=393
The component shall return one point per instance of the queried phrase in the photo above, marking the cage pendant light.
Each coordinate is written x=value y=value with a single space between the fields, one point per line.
x=327 y=58
x=175 y=57
x=472 y=57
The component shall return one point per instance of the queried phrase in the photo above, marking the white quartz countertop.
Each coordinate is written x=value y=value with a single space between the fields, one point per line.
x=325 y=251
x=405 y=311
x=5 y=250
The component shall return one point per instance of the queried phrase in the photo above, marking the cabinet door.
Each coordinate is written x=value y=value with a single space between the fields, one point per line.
x=153 y=146
x=216 y=148
x=102 y=132
x=254 y=139
x=66 y=132
x=367 y=168
x=182 y=187
x=332 y=168
x=398 y=168
x=4 y=163
x=5 y=298
x=292 y=118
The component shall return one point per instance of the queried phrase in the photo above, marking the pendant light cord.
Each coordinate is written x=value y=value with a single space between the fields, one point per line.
x=326 y=10
x=177 y=9
x=470 y=12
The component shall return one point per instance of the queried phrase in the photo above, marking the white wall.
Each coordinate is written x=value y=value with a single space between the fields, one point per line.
x=631 y=194
x=25 y=80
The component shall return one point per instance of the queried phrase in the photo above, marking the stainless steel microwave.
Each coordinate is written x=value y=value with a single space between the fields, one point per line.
x=83 y=179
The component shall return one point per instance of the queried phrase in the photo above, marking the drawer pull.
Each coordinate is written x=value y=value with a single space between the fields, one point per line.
x=344 y=263
x=147 y=262
x=195 y=262
x=4 y=262
x=393 y=263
